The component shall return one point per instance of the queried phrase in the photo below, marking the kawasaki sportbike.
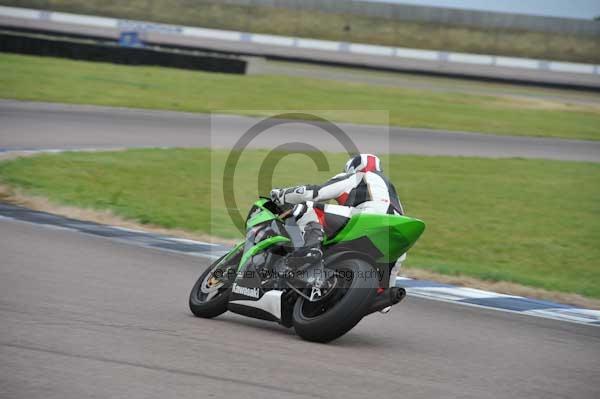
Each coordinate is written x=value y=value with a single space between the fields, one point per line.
x=321 y=301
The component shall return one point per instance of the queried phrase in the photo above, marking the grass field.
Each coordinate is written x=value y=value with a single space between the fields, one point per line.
x=530 y=222
x=332 y=26
x=59 y=80
x=428 y=83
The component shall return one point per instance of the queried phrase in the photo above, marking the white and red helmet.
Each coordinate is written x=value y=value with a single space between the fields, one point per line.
x=363 y=163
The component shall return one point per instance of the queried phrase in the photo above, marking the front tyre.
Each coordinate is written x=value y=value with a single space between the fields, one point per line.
x=209 y=296
x=340 y=311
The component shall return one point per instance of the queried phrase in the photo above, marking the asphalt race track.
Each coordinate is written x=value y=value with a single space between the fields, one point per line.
x=84 y=316
x=58 y=126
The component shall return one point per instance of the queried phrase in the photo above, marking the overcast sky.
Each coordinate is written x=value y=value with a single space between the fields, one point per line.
x=587 y=9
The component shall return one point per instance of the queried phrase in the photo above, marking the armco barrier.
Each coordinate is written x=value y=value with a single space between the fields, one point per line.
x=81 y=50
x=393 y=58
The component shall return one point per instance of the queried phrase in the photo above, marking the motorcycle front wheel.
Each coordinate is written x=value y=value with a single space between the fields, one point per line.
x=341 y=310
x=210 y=296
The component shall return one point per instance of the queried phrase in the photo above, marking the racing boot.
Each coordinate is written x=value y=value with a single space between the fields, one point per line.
x=311 y=253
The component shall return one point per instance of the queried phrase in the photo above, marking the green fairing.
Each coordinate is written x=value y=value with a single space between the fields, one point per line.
x=260 y=247
x=264 y=216
x=392 y=235
x=261 y=217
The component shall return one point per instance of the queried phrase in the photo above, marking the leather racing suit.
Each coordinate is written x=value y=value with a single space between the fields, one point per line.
x=363 y=188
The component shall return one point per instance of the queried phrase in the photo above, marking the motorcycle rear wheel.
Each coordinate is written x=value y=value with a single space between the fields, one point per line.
x=341 y=310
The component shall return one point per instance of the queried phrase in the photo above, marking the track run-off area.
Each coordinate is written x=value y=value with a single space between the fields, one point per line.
x=34 y=126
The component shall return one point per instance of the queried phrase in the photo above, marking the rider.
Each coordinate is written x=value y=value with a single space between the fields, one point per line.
x=361 y=188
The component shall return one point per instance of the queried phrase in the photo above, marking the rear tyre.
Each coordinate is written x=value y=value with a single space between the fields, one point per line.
x=209 y=301
x=341 y=310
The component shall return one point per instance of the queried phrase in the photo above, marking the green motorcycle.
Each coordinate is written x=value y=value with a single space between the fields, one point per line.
x=321 y=301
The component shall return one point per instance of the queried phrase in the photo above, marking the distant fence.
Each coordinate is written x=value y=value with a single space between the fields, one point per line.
x=437 y=15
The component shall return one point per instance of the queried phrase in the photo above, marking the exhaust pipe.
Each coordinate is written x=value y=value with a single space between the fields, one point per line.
x=388 y=297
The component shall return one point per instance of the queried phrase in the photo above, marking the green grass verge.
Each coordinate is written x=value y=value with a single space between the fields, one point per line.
x=531 y=222
x=332 y=26
x=59 y=80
